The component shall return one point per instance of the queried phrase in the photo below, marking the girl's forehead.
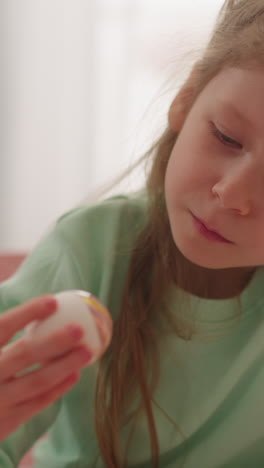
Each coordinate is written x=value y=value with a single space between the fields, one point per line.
x=237 y=85
x=231 y=76
x=236 y=96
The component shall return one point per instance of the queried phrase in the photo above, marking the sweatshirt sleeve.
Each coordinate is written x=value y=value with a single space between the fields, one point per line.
x=88 y=249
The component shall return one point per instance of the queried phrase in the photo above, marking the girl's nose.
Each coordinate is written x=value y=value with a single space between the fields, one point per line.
x=236 y=190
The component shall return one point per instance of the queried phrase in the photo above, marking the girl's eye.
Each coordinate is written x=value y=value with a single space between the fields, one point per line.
x=226 y=140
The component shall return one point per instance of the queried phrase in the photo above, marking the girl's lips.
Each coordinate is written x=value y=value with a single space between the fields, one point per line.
x=210 y=235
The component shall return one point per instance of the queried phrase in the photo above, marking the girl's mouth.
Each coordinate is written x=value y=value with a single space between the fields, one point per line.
x=207 y=233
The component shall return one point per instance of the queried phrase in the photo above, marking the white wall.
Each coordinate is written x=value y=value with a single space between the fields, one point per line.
x=82 y=97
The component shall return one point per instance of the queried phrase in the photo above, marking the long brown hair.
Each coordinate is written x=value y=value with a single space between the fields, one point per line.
x=129 y=373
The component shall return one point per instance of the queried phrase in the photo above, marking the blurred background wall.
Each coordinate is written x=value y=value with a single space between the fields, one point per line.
x=84 y=89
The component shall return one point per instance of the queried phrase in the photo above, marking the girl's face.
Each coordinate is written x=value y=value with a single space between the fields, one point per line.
x=214 y=185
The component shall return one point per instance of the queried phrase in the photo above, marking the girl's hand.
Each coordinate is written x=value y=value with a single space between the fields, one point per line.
x=59 y=356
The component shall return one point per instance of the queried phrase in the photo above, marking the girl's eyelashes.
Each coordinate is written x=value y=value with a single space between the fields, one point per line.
x=225 y=139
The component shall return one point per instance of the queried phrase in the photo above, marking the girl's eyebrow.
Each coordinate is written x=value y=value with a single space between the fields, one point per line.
x=228 y=107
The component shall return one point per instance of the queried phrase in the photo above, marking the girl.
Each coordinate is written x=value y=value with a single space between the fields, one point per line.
x=180 y=267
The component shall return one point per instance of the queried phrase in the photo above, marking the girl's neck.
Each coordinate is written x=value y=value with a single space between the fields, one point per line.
x=213 y=284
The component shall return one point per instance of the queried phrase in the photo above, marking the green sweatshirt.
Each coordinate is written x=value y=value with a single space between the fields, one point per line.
x=209 y=404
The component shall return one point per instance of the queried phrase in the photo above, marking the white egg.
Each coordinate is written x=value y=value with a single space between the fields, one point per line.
x=80 y=308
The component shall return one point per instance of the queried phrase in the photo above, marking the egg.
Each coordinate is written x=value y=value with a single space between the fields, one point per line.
x=80 y=308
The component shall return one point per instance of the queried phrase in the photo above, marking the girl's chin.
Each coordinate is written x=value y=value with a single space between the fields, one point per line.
x=206 y=263
x=205 y=259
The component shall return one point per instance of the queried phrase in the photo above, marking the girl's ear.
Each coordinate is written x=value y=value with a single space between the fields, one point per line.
x=182 y=102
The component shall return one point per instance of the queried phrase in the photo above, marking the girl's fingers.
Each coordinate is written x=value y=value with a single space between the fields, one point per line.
x=38 y=382
x=24 y=353
x=18 y=317
x=26 y=410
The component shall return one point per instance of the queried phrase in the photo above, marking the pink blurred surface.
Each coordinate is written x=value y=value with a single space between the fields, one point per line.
x=9 y=262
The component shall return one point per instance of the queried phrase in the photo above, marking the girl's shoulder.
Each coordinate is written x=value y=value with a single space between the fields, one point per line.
x=126 y=212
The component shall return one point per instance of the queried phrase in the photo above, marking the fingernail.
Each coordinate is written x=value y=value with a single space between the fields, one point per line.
x=86 y=355
x=50 y=303
x=75 y=332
